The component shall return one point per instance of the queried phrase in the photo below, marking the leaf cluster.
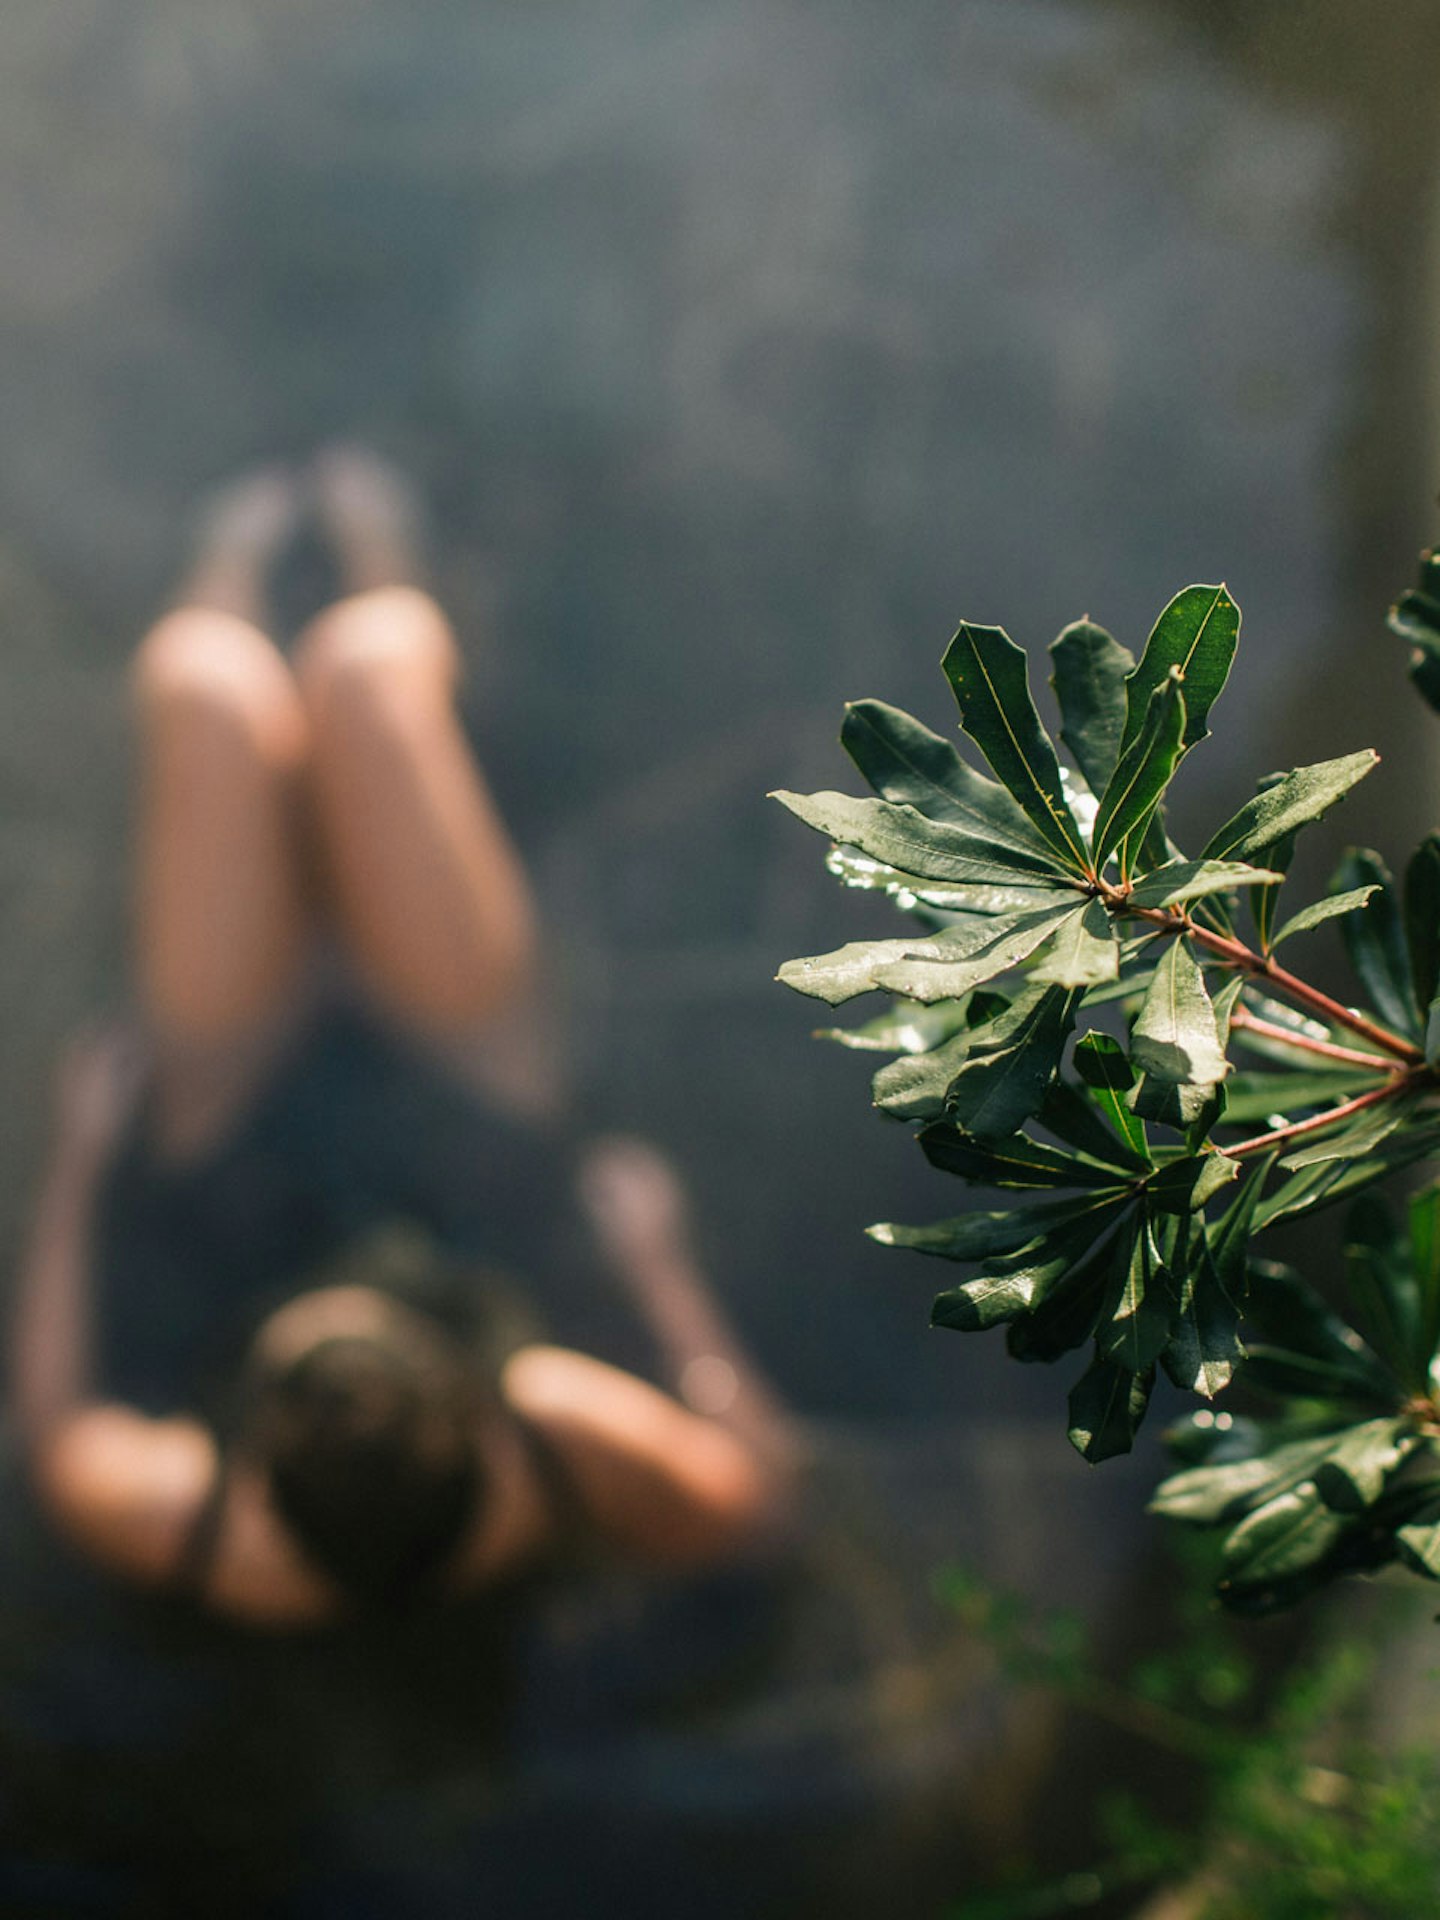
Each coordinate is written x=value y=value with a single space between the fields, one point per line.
x=1091 y=1019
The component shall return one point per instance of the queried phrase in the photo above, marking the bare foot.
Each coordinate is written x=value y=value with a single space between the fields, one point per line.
x=241 y=532
x=372 y=515
x=635 y=1201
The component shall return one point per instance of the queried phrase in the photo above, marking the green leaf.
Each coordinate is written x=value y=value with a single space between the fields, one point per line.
x=1425 y=1269
x=919 y=1087
x=1258 y=1099
x=1107 y=1404
x=1422 y=918
x=1175 y=1036
x=1225 y=1491
x=912 y=893
x=1329 y=909
x=1193 y=1111
x=1281 y=1538
x=1010 y=1282
x=1067 y=1316
x=908 y=1027
x=1420 y=1548
x=939 y=966
x=1375 y=941
x=1355 y=1138
x=1011 y=1163
x=1352 y=1477
x=995 y=1091
x=903 y=838
x=1180 y=880
x=1068 y=1114
x=1416 y=618
x=1228 y=1238
x=1197 y=634
x=979 y=1236
x=907 y=764
x=1102 y=1065
x=1085 y=951
x=1293 y=1337
x=957 y=962
x=1292 y=802
x=1143 y=770
x=1203 y=1348
x=1138 y=1324
x=1088 y=674
x=987 y=673
x=1384 y=1300
x=1183 y=1186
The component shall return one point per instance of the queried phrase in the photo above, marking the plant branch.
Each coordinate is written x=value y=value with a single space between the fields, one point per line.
x=1260 y=966
x=1262 y=1143
x=1305 y=1043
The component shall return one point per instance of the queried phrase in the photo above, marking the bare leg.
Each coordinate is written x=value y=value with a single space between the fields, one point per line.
x=369 y=511
x=220 y=922
x=240 y=535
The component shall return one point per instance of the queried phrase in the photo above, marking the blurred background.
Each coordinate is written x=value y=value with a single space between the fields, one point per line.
x=738 y=349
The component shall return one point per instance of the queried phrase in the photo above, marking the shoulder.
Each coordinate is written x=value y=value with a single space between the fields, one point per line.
x=656 y=1480
x=125 y=1488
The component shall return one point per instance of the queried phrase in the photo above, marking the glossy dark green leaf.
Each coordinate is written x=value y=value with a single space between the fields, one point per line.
x=1143 y=770
x=1137 y=1324
x=987 y=674
x=1175 y=1036
x=1416 y=618
x=1353 y=1474
x=1181 y=880
x=908 y=1027
x=979 y=1236
x=1284 y=1537
x=1085 y=950
x=1069 y=1115
x=1197 y=633
x=1226 y=1491
x=954 y=964
x=1228 y=1238
x=914 y=894
x=1088 y=674
x=1009 y=1283
x=1422 y=918
x=1068 y=1315
x=1183 y=1186
x=1384 y=1298
x=1425 y=1269
x=1193 y=1111
x=1354 y=1138
x=1331 y=908
x=1101 y=1064
x=997 y=1090
x=944 y=966
x=1203 y=1347
x=1260 y=1099
x=1018 y=1163
x=1419 y=1545
x=908 y=764
x=1107 y=1404
x=1292 y=802
x=1375 y=941
x=1298 y=1346
x=904 y=838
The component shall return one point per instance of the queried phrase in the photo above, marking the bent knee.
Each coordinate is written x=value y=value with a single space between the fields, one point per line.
x=209 y=666
x=392 y=638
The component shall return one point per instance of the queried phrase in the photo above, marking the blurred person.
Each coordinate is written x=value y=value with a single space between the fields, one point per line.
x=292 y=1412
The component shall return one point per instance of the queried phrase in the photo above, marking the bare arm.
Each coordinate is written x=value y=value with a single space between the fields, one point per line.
x=637 y=1204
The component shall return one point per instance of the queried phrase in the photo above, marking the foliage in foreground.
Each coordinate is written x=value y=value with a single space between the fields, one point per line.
x=1098 y=1022
x=1300 y=1817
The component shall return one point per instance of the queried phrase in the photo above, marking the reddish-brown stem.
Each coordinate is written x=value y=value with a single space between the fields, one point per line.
x=1260 y=966
x=1306 y=1043
x=1264 y=1141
